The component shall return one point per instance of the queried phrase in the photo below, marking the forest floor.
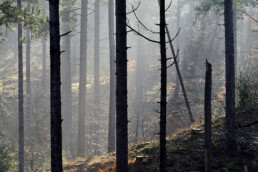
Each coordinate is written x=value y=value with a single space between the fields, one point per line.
x=185 y=150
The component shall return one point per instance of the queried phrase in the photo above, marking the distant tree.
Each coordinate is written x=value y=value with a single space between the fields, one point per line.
x=96 y=54
x=231 y=144
x=121 y=88
x=20 y=90
x=112 y=96
x=83 y=79
x=55 y=89
x=66 y=78
x=163 y=95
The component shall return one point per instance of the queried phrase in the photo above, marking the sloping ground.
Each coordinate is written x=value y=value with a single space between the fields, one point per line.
x=185 y=150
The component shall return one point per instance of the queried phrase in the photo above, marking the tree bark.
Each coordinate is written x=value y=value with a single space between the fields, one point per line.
x=56 y=121
x=121 y=88
x=163 y=95
x=230 y=77
x=207 y=112
x=112 y=96
x=83 y=80
x=20 y=95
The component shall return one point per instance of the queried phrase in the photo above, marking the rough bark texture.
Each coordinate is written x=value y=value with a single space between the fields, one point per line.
x=230 y=77
x=55 y=80
x=112 y=96
x=96 y=54
x=121 y=88
x=66 y=80
x=207 y=112
x=20 y=96
x=163 y=95
x=83 y=78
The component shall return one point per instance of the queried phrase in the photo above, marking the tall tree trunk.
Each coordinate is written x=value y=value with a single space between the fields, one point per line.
x=207 y=112
x=66 y=83
x=28 y=85
x=230 y=77
x=121 y=88
x=83 y=79
x=55 y=90
x=96 y=54
x=235 y=37
x=112 y=96
x=163 y=95
x=20 y=85
x=44 y=52
x=178 y=23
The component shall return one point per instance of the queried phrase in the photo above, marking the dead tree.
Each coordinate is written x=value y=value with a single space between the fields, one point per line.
x=207 y=112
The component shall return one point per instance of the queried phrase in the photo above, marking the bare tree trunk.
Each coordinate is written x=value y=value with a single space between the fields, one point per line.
x=56 y=119
x=83 y=80
x=44 y=53
x=121 y=88
x=207 y=112
x=20 y=85
x=96 y=55
x=112 y=96
x=28 y=85
x=230 y=77
x=66 y=83
x=163 y=95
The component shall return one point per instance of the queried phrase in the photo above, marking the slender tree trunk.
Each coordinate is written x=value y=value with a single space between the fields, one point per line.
x=178 y=23
x=235 y=37
x=121 y=88
x=44 y=52
x=56 y=120
x=66 y=83
x=83 y=79
x=96 y=54
x=28 y=85
x=163 y=95
x=20 y=85
x=207 y=112
x=230 y=77
x=112 y=96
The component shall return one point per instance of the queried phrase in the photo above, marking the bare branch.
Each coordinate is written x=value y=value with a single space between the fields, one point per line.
x=65 y=33
x=169 y=6
x=134 y=9
x=254 y=19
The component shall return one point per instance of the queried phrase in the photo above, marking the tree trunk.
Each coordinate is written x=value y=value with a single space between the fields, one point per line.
x=163 y=95
x=20 y=96
x=112 y=96
x=66 y=83
x=230 y=77
x=121 y=88
x=178 y=23
x=207 y=112
x=96 y=55
x=83 y=79
x=56 y=121
x=28 y=85
x=44 y=52
x=235 y=37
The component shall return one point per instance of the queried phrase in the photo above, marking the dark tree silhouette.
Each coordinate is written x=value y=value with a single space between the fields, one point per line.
x=163 y=95
x=230 y=77
x=20 y=96
x=83 y=79
x=121 y=88
x=112 y=96
x=55 y=90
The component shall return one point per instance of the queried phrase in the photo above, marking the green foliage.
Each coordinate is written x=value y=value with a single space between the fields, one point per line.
x=230 y=167
x=6 y=158
x=245 y=86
